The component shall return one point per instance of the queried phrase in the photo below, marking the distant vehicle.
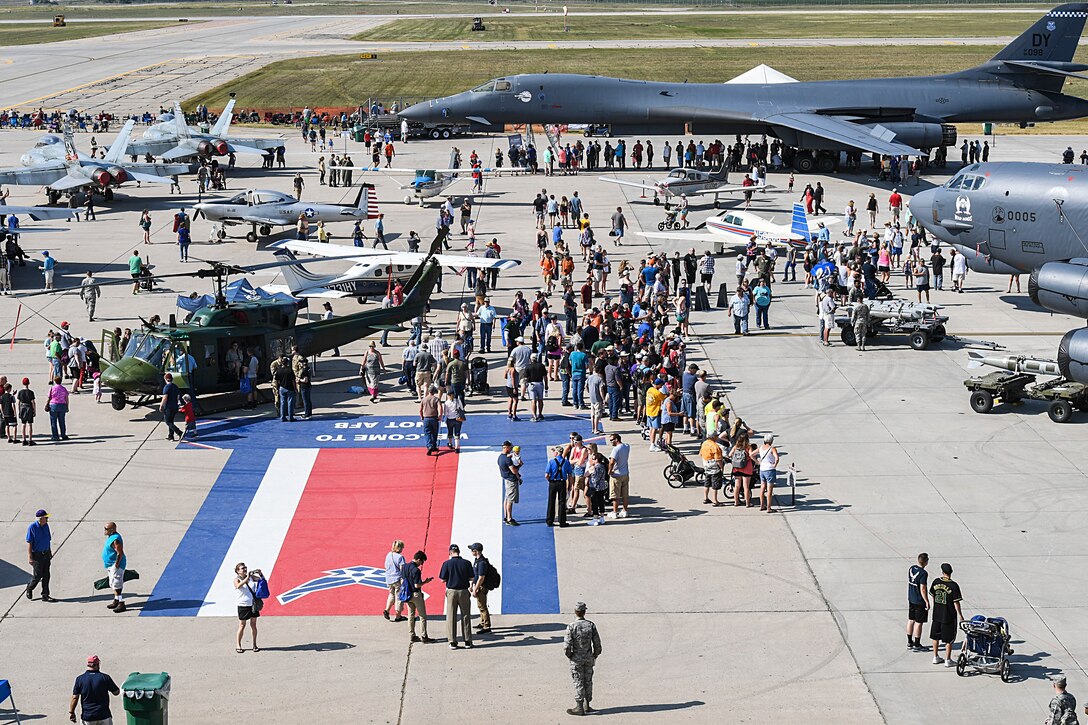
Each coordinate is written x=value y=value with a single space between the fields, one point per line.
x=264 y=209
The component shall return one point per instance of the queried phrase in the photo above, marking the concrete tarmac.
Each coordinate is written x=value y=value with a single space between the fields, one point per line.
x=707 y=614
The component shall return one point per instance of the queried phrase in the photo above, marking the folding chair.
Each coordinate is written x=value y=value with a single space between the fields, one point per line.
x=5 y=694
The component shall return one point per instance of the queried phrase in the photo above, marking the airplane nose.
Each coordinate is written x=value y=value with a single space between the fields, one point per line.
x=921 y=206
x=420 y=112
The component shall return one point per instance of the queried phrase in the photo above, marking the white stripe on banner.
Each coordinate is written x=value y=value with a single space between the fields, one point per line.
x=261 y=533
x=477 y=511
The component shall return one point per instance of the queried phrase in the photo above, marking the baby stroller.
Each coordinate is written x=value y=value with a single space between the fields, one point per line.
x=671 y=222
x=478 y=376
x=987 y=648
x=680 y=470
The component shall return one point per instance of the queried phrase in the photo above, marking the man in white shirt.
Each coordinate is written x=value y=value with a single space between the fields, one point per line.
x=959 y=270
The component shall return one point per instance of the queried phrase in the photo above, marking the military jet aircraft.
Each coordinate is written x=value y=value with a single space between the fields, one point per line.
x=893 y=116
x=172 y=139
x=689 y=182
x=736 y=228
x=264 y=209
x=372 y=273
x=57 y=165
x=1009 y=217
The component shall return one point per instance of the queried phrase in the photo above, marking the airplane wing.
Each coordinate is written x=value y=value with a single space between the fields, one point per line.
x=622 y=182
x=33 y=176
x=877 y=140
x=148 y=178
x=681 y=235
x=38 y=213
x=180 y=151
x=731 y=189
x=69 y=182
x=241 y=149
x=329 y=251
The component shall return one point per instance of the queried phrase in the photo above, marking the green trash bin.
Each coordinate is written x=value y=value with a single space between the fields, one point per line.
x=988 y=129
x=146 y=696
x=358 y=134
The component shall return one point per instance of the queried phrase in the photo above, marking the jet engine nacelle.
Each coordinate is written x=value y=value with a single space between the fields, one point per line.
x=1073 y=355
x=921 y=135
x=212 y=148
x=101 y=177
x=118 y=174
x=1061 y=287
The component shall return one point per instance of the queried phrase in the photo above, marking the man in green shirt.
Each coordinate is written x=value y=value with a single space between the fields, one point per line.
x=456 y=376
x=135 y=268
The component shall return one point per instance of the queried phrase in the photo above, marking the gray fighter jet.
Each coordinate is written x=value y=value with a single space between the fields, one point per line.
x=894 y=116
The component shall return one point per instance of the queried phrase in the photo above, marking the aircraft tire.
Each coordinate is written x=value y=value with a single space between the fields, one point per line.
x=251 y=237
x=803 y=163
x=117 y=401
x=265 y=230
x=436 y=134
x=825 y=164
x=446 y=133
x=221 y=234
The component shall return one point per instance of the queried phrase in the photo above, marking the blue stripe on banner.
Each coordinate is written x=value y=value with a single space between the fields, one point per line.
x=530 y=580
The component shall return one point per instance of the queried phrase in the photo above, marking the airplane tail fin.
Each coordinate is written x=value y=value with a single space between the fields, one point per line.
x=296 y=276
x=70 y=153
x=799 y=223
x=367 y=200
x=179 y=123
x=222 y=126
x=1052 y=39
x=116 y=153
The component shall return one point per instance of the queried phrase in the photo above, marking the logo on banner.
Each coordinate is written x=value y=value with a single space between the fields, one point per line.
x=367 y=576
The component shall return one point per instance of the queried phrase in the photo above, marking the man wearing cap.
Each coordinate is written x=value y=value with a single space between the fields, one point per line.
x=458 y=575
x=582 y=646
x=39 y=548
x=946 y=615
x=49 y=266
x=115 y=561
x=1063 y=706
x=92 y=692
x=480 y=567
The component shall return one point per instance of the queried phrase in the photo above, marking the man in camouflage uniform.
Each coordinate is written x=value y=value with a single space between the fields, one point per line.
x=582 y=647
x=1063 y=707
x=859 y=318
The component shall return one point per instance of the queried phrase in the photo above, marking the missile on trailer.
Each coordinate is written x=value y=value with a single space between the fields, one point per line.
x=1014 y=363
x=901 y=309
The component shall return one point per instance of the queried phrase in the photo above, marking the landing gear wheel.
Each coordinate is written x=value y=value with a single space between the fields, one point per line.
x=436 y=134
x=52 y=196
x=657 y=202
x=982 y=401
x=361 y=300
x=919 y=340
x=825 y=164
x=961 y=666
x=251 y=237
x=938 y=333
x=220 y=234
x=446 y=133
x=717 y=204
x=408 y=200
x=1006 y=671
x=846 y=334
x=803 y=163
x=1060 y=411
x=265 y=230
x=117 y=401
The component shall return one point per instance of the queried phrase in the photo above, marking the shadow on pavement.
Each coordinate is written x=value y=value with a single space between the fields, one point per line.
x=12 y=576
x=661 y=707
x=311 y=647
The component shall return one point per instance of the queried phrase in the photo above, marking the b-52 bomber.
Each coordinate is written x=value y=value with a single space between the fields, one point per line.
x=892 y=116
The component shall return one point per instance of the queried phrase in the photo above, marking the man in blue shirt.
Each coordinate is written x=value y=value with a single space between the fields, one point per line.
x=39 y=548
x=480 y=567
x=578 y=362
x=558 y=475
x=458 y=575
x=687 y=400
x=115 y=561
x=486 y=314
x=92 y=690
x=171 y=397
x=511 y=481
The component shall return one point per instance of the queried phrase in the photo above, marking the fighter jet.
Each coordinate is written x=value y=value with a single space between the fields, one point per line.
x=893 y=116
x=371 y=272
x=1009 y=217
x=172 y=139
x=264 y=209
x=689 y=182
x=58 y=166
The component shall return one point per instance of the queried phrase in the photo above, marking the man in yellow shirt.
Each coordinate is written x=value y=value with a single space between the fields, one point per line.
x=655 y=397
x=713 y=464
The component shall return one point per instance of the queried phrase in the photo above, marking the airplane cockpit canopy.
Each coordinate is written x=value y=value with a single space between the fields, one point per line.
x=500 y=85
x=47 y=140
x=265 y=196
x=966 y=182
x=242 y=199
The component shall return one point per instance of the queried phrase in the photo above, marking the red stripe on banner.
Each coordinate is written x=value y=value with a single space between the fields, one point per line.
x=355 y=504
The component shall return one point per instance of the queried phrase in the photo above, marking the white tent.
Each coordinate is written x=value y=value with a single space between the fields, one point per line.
x=762 y=74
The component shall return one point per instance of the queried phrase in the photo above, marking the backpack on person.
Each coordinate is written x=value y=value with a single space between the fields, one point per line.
x=492 y=578
x=404 y=591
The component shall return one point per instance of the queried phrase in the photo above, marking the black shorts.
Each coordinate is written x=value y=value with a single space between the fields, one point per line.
x=246 y=612
x=137 y=275
x=918 y=613
x=668 y=427
x=511 y=393
x=943 y=631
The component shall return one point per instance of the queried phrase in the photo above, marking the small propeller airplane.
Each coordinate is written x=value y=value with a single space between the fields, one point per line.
x=736 y=228
x=433 y=183
x=172 y=139
x=264 y=209
x=372 y=273
x=60 y=167
x=691 y=182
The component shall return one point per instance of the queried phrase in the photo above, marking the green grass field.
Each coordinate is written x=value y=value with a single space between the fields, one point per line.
x=675 y=25
x=43 y=32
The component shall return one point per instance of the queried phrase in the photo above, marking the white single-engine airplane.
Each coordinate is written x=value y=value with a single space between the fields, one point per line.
x=370 y=273
x=432 y=183
x=691 y=182
x=736 y=228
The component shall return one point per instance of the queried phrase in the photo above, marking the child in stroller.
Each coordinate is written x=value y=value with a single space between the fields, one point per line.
x=987 y=648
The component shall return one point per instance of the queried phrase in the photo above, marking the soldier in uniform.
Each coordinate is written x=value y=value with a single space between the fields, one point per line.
x=859 y=318
x=582 y=647
x=89 y=292
x=1063 y=706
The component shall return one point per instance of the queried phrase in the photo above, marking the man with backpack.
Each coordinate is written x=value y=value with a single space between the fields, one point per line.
x=486 y=578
